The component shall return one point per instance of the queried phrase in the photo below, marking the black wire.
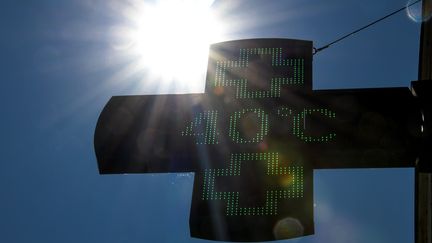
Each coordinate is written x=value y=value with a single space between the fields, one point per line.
x=316 y=50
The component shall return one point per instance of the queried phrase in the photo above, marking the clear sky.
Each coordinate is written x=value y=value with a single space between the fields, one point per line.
x=60 y=64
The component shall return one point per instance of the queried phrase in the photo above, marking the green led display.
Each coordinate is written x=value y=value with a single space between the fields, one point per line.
x=299 y=121
x=294 y=189
x=254 y=137
x=204 y=125
x=234 y=123
x=209 y=134
x=284 y=112
x=241 y=84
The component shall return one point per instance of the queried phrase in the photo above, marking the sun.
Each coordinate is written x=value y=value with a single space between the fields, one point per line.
x=169 y=40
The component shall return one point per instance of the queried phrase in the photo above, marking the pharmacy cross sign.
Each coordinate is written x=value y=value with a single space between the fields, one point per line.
x=255 y=136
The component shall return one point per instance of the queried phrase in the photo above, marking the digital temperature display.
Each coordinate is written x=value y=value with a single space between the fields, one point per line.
x=254 y=137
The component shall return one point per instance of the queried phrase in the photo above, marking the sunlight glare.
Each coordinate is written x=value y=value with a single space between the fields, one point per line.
x=170 y=40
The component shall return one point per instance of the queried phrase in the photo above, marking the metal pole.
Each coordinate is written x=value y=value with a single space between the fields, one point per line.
x=423 y=180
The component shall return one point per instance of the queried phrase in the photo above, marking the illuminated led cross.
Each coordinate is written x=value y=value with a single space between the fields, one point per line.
x=259 y=73
x=255 y=136
x=289 y=184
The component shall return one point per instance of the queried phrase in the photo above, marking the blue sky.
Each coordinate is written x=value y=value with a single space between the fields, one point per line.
x=57 y=70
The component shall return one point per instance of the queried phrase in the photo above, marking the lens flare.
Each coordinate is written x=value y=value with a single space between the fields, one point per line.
x=414 y=11
x=288 y=228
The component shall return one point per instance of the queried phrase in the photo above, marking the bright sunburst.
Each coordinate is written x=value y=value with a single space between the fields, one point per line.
x=169 y=39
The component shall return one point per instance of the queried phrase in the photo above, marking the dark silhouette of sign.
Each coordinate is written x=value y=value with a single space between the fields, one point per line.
x=255 y=136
